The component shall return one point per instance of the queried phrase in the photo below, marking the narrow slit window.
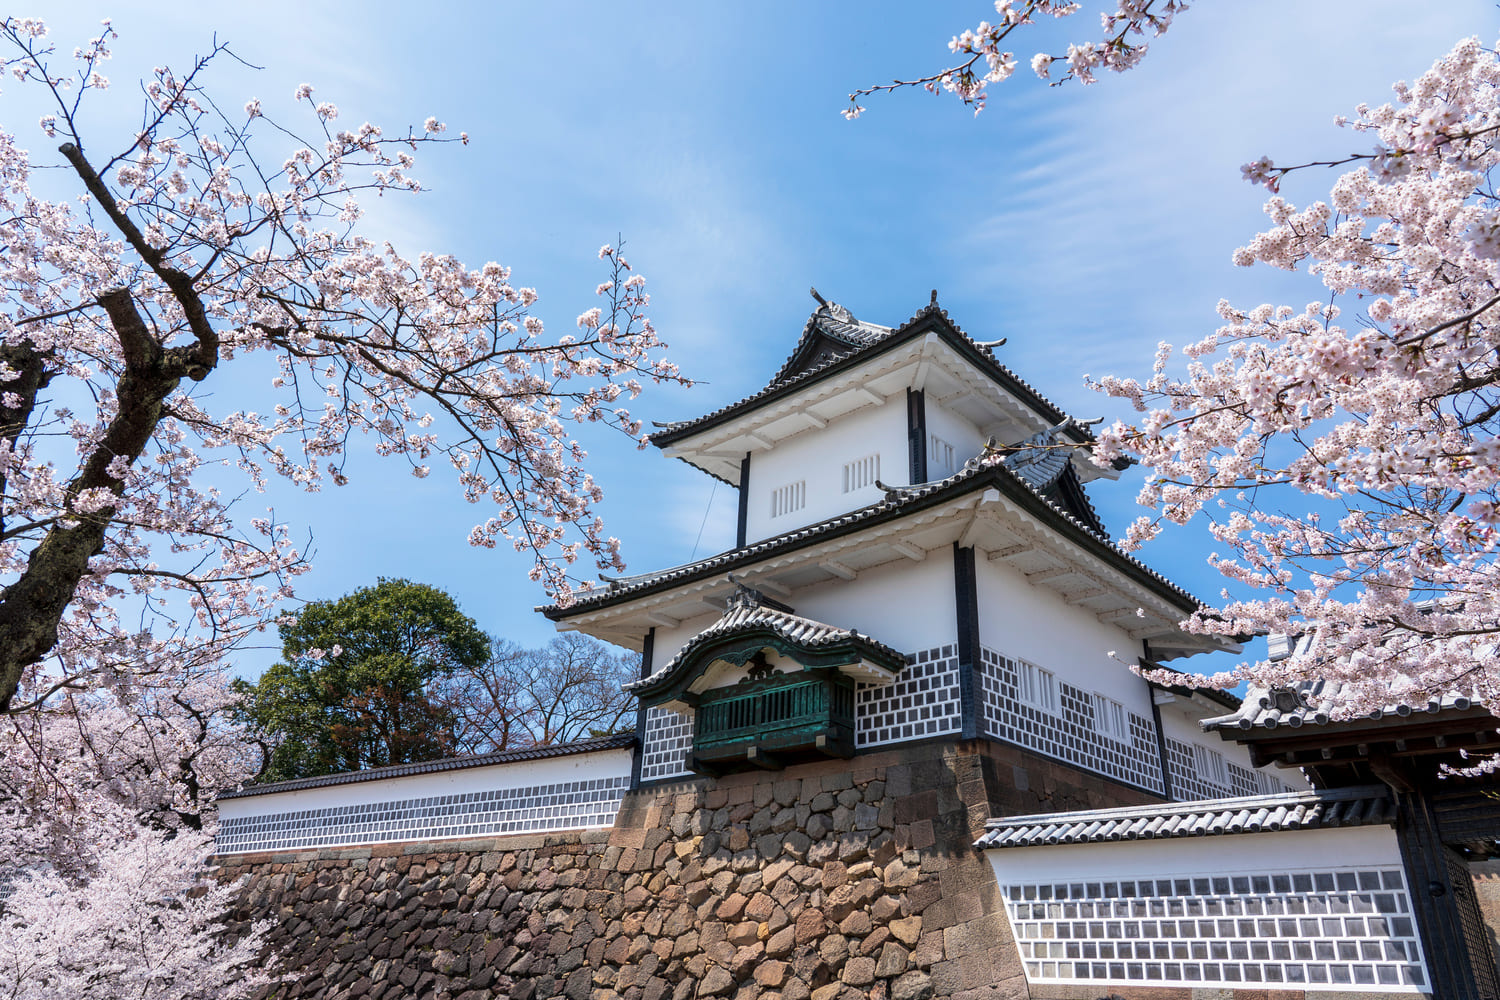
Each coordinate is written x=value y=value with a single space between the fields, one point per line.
x=1211 y=765
x=861 y=472
x=939 y=457
x=1038 y=687
x=785 y=499
x=1110 y=719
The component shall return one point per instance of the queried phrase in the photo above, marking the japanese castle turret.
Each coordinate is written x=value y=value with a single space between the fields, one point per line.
x=917 y=558
x=890 y=745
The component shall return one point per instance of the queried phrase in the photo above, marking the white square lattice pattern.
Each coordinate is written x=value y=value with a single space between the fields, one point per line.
x=1071 y=733
x=923 y=701
x=668 y=741
x=1320 y=930
x=1191 y=782
x=568 y=805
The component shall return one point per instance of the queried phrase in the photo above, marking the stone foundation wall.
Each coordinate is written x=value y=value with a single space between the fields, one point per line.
x=835 y=881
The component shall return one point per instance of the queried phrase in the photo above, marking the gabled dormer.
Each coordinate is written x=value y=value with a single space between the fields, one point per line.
x=858 y=407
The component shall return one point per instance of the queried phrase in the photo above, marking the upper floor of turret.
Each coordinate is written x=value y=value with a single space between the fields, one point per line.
x=860 y=407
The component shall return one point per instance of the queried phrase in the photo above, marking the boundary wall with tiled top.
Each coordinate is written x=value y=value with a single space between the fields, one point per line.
x=831 y=881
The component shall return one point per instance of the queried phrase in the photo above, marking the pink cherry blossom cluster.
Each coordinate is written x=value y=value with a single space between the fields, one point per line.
x=106 y=826
x=196 y=251
x=1347 y=453
x=185 y=260
x=988 y=62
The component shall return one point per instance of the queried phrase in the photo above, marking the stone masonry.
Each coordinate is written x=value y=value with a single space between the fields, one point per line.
x=834 y=881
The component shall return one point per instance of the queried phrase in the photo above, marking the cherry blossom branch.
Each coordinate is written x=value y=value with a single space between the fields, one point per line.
x=969 y=80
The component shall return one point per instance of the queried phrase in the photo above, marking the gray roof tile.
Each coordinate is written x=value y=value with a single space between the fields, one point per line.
x=1315 y=703
x=746 y=614
x=618 y=741
x=1362 y=806
x=863 y=338
x=898 y=500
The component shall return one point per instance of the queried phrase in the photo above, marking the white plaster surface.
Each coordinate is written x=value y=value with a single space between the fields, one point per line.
x=957 y=431
x=818 y=457
x=521 y=774
x=906 y=605
x=1034 y=623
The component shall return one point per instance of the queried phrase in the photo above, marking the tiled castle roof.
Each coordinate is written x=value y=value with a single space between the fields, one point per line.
x=1293 y=707
x=898 y=502
x=618 y=741
x=856 y=340
x=1340 y=807
x=747 y=613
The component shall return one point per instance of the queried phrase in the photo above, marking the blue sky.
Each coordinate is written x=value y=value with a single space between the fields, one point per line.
x=1084 y=224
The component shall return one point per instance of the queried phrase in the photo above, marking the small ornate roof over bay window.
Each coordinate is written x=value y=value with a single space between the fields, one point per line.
x=767 y=686
x=752 y=627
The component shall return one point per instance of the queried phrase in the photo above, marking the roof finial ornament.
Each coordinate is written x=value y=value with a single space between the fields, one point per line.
x=990 y=449
x=991 y=344
x=891 y=492
x=821 y=301
x=744 y=596
x=933 y=301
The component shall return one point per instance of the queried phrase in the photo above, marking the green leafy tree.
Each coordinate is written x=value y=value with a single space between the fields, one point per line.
x=356 y=687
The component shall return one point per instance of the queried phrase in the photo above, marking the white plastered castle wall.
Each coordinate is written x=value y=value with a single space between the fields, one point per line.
x=1033 y=623
x=1317 y=910
x=816 y=459
x=907 y=605
x=574 y=791
x=669 y=639
x=1179 y=722
x=953 y=429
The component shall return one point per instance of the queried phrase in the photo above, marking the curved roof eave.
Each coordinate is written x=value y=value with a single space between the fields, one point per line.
x=930 y=318
x=701 y=650
x=905 y=501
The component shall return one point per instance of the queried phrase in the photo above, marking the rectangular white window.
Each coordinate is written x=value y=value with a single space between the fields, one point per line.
x=861 y=472
x=785 y=499
x=939 y=458
x=1211 y=766
x=1110 y=719
x=1038 y=687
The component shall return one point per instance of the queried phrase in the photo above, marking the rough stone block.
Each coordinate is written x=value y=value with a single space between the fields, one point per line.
x=771 y=973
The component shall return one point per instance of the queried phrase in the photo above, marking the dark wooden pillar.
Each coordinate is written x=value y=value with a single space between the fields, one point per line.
x=744 y=514
x=1460 y=962
x=966 y=598
x=916 y=435
x=648 y=648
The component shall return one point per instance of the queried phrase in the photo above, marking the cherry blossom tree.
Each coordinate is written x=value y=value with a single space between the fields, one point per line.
x=187 y=251
x=1346 y=451
x=984 y=60
x=149 y=269
x=107 y=824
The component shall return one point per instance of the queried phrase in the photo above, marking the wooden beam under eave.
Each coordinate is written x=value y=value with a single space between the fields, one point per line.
x=913 y=552
x=1042 y=576
x=817 y=422
x=665 y=621
x=1010 y=551
x=837 y=569
x=770 y=586
x=867 y=394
